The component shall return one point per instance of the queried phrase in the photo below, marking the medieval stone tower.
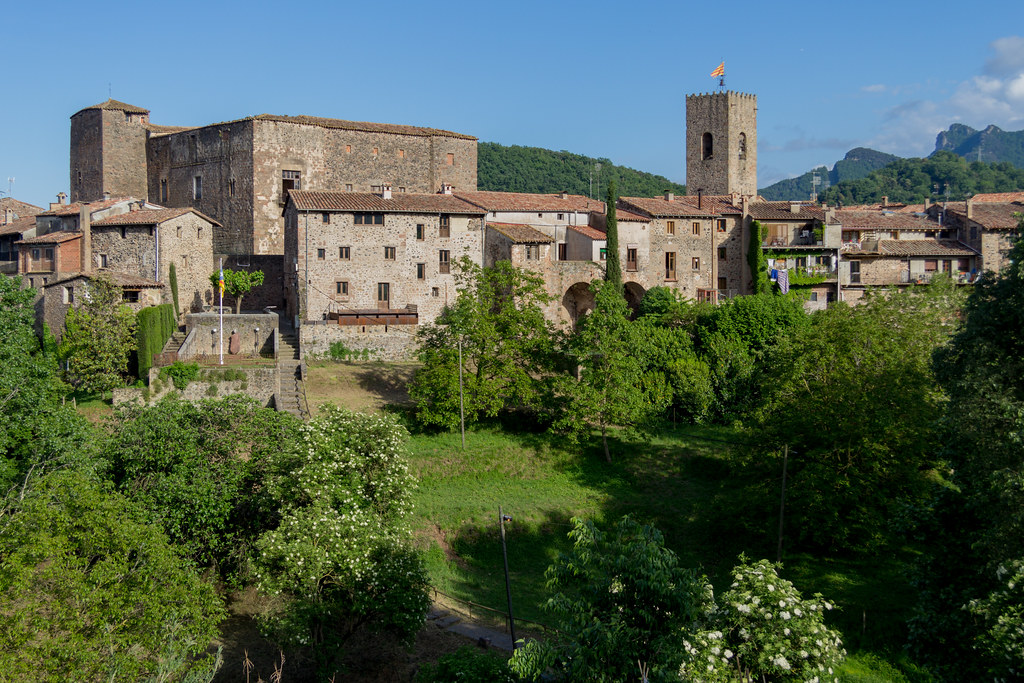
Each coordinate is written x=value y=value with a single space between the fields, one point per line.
x=108 y=151
x=721 y=143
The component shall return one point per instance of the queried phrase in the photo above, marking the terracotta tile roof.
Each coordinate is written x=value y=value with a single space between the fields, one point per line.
x=627 y=215
x=992 y=216
x=999 y=197
x=588 y=231
x=364 y=126
x=659 y=207
x=150 y=217
x=525 y=201
x=21 y=209
x=891 y=206
x=400 y=202
x=855 y=219
x=117 y=106
x=782 y=211
x=937 y=248
x=167 y=130
x=521 y=234
x=51 y=238
x=75 y=208
x=722 y=203
x=18 y=226
x=125 y=280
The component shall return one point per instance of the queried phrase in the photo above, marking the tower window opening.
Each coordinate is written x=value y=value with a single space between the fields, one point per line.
x=743 y=145
x=706 y=147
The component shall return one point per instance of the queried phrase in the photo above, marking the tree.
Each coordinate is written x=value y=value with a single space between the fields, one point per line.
x=237 y=283
x=756 y=261
x=763 y=629
x=623 y=605
x=99 y=337
x=508 y=347
x=341 y=552
x=614 y=387
x=89 y=592
x=613 y=266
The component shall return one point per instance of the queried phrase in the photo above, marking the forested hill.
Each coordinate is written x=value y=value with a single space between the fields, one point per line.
x=534 y=169
x=991 y=144
x=913 y=180
x=857 y=163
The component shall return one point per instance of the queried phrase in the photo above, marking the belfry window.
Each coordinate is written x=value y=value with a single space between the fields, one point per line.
x=706 y=146
x=743 y=145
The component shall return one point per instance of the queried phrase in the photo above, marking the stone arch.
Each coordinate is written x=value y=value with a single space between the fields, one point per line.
x=577 y=301
x=634 y=293
x=707 y=143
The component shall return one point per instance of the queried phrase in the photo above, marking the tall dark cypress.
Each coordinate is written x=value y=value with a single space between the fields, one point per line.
x=613 y=268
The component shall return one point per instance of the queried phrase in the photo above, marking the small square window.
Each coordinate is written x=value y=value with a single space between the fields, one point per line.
x=348 y=149
x=344 y=253
x=348 y=187
x=450 y=159
x=695 y=263
x=721 y=224
x=376 y=151
x=326 y=218
x=389 y=253
x=435 y=292
x=721 y=253
x=532 y=252
x=401 y=154
x=670 y=227
x=321 y=254
x=603 y=254
x=561 y=216
x=696 y=229
x=341 y=287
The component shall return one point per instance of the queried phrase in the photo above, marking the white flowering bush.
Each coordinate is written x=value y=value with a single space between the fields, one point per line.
x=1002 y=612
x=763 y=629
x=341 y=551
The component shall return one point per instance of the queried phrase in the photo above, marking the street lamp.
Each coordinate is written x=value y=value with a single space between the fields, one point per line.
x=256 y=342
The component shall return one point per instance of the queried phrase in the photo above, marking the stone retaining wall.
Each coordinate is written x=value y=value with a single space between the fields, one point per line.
x=260 y=383
x=384 y=342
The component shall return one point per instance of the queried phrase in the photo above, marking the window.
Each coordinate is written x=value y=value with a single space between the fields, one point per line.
x=723 y=283
x=341 y=287
x=184 y=260
x=450 y=159
x=931 y=265
x=706 y=146
x=435 y=292
x=721 y=253
x=696 y=229
x=152 y=231
x=419 y=231
x=348 y=149
x=290 y=180
x=197 y=188
x=721 y=224
x=344 y=253
x=69 y=295
x=743 y=146
x=855 y=272
x=540 y=215
x=670 y=265
x=695 y=263
x=326 y=218
x=35 y=254
x=366 y=218
x=178 y=232
x=389 y=253
x=963 y=265
x=421 y=271
x=130 y=295
x=444 y=226
x=124 y=233
x=631 y=263
x=321 y=254
x=401 y=189
x=532 y=252
x=562 y=251
x=561 y=216
x=974 y=232
x=376 y=151
x=443 y=261
x=163 y=188
x=401 y=154
x=384 y=295
x=48 y=253
x=348 y=187
x=670 y=227
x=103 y=260
x=199 y=232
x=603 y=254
x=231 y=187
x=814 y=296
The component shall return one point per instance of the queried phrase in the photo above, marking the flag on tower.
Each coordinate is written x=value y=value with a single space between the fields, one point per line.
x=719 y=70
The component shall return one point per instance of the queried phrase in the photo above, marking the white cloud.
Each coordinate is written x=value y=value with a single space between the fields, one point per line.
x=1009 y=56
x=878 y=87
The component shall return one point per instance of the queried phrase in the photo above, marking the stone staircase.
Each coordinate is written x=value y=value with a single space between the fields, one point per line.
x=175 y=342
x=289 y=366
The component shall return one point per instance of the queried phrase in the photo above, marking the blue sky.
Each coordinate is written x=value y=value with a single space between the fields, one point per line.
x=605 y=79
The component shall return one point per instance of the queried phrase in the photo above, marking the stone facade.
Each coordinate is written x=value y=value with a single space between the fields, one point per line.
x=61 y=294
x=721 y=143
x=383 y=342
x=108 y=151
x=256 y=332
x=260 y=384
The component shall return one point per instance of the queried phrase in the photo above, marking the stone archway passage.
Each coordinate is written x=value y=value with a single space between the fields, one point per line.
x=634 y=295
x=578 y=300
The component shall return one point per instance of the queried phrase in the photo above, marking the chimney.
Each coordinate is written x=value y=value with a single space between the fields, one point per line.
x=385 y=191
x=106 y=194
x=970 y=208
x=735 y=199
x=794 y=207
x=8 y=216
x=446 y=188
x=927 y=203
x=60 y=201
x=885 y=202
x=85 y=226
x=669 y=197
x=563 y=195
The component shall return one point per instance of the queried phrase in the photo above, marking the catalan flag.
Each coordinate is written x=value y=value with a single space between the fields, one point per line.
x=719 y=70
x=220 y=282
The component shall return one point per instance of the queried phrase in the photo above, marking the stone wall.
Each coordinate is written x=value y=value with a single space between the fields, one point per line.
x=87 y=155
x=384 y=342
x=124 y=154
x=187 y=242
x=260 y=383
x=268 y=295
x=726 y=116
x=207 y=340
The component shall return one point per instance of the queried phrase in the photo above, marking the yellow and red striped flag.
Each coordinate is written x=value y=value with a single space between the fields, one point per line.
x=719 y=70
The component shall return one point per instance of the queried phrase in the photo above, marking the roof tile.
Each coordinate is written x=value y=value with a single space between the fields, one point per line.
x=400 y=202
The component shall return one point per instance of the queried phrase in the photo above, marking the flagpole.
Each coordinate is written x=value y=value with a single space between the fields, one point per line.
x=221 y=311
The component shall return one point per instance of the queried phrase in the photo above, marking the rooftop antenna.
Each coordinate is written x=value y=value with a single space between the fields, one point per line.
x=110 y=90
x=10 y=186
x=815 y=181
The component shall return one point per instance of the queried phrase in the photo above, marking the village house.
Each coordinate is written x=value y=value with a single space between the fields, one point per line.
x=986 y=223
x=63 y=293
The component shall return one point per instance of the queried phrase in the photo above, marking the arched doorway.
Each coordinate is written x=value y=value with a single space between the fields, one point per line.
x=577 y=301
x=634 y=295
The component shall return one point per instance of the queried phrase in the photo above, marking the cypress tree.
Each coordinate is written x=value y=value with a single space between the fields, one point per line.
x=613 y=268
x=173 y=277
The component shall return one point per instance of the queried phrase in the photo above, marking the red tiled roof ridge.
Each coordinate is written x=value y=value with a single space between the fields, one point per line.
x=493 y=200
x=74 y=207
x=400 y=202
x=55 y=237
x=114 y=105
x=147 y=216
x=366 y=126
x=520 y=233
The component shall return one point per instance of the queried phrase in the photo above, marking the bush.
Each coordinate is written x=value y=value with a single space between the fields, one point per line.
x=467 y=665
x=156 y=324
x=180 y=373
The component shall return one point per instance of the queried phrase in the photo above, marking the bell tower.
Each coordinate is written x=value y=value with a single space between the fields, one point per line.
x=721 y=143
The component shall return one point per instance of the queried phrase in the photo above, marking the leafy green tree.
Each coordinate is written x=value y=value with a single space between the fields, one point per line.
x=99 y=337
x=237 y=283
x=763 y=629
x=623 y=606
x=613 y=265
x=172 y=276
x=508 y=347
x=341 y=552
x=614 y=386
x=89 y=592
x=198 y=469
x=756 y=260
x=467 y=665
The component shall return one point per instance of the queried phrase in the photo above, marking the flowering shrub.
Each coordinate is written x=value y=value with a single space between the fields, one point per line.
x=341 y=551
x=763 y=629
x=1002 y=610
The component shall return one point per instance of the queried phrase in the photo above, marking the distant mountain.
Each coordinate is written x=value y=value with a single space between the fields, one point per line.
x=857 y=163
x=991 y=145
x=534 y=169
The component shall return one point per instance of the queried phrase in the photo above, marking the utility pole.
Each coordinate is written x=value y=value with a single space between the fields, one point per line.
x=462 y=424
x=502 y=518
x=782 y=503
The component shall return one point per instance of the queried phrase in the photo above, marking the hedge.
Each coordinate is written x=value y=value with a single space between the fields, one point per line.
x=156 y=324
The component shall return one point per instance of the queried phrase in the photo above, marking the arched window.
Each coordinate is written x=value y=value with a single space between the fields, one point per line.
x=743 y=145
x=706 y=146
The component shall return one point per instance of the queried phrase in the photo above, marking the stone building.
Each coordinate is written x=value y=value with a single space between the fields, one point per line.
x=239 y=172
x=987 y=224
x=11 y=233
x=721 y=143
x=62 y=293
x=362 y=260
